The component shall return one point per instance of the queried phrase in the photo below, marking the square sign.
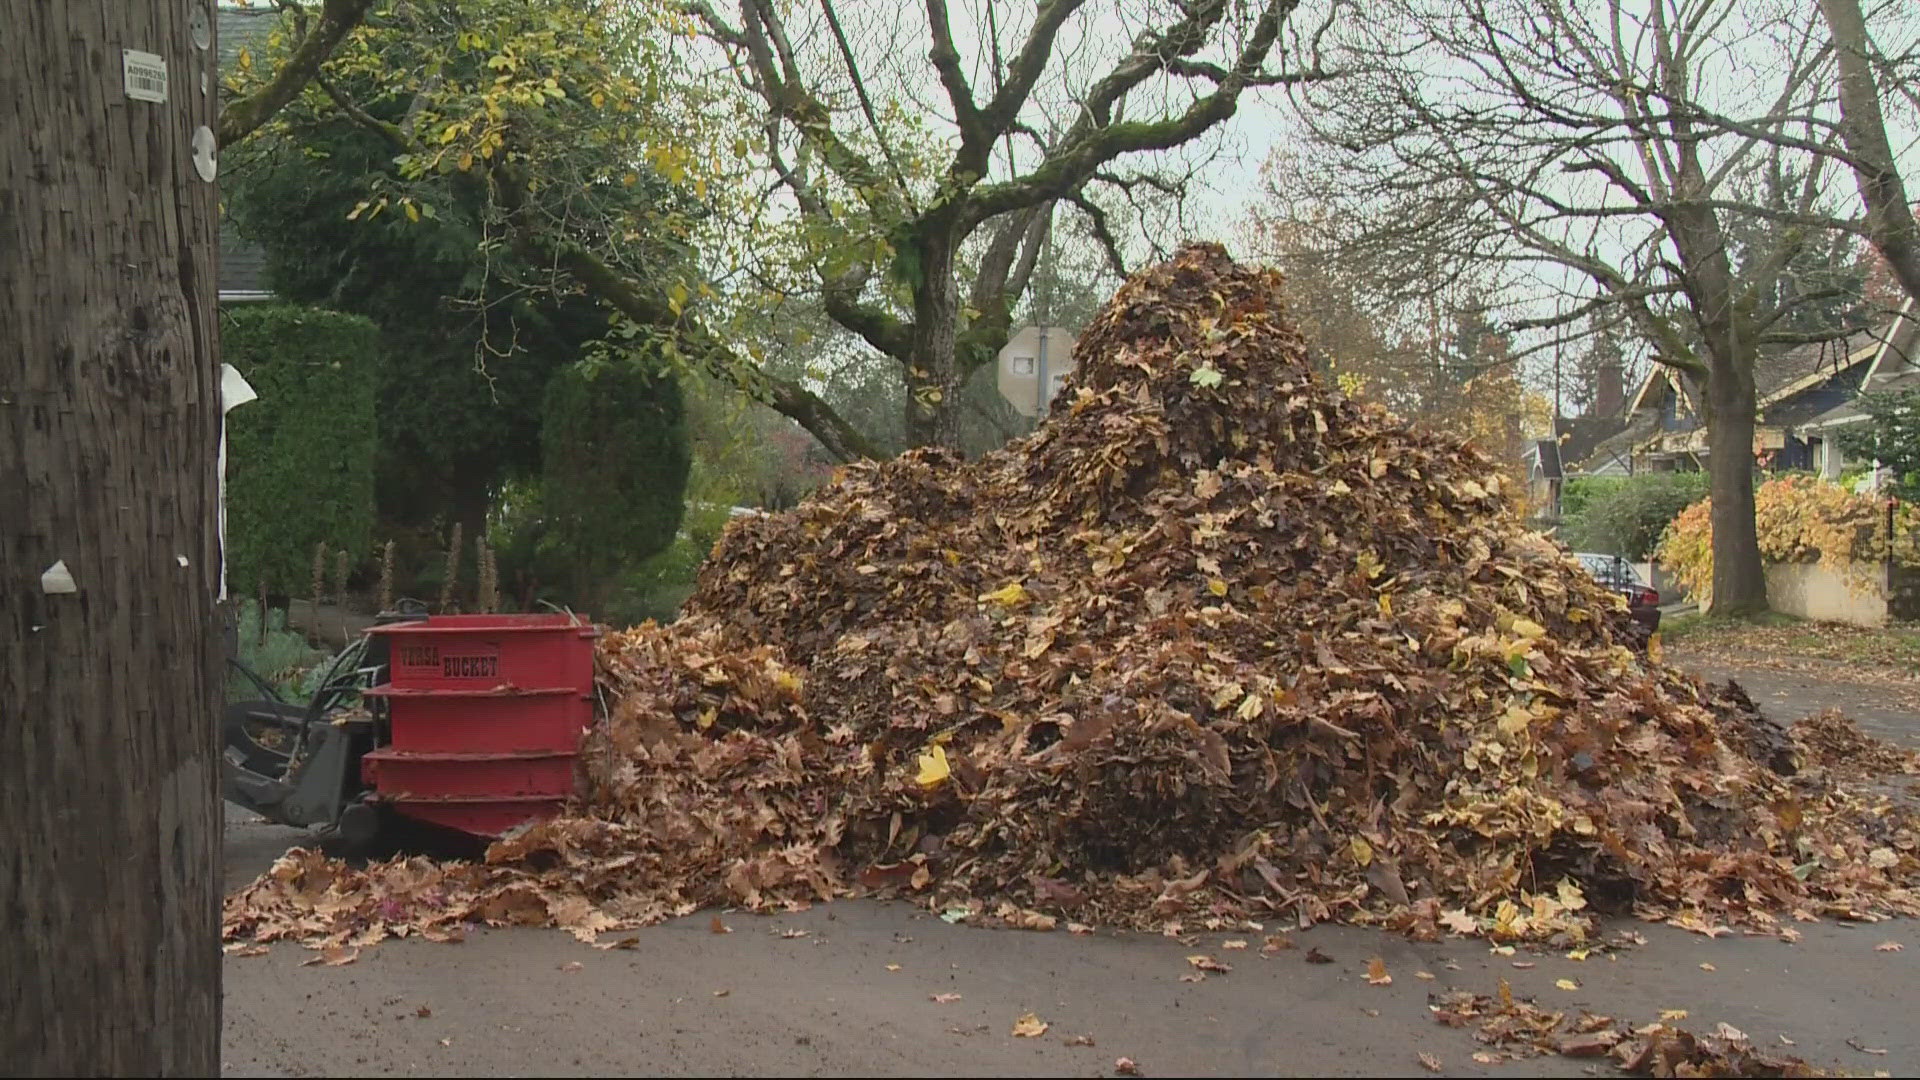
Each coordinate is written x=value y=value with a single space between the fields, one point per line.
x=145 y=75
x=1033 y=366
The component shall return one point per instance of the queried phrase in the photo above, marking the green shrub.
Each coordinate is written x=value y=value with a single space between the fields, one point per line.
x=300 y=459
x=614 y=458
x=1625 y=515
x=280 y=656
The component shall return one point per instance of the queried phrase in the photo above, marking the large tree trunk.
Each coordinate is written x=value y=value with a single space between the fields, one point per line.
x=1863 y=127
x=932 y=374
x=1739 y=579
x=109 y=419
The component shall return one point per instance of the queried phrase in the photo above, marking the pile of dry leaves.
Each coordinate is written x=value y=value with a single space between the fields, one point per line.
x=1216 y=643
x=1831 y=741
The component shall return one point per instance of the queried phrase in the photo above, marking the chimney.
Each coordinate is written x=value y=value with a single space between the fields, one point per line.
x=1608 y=393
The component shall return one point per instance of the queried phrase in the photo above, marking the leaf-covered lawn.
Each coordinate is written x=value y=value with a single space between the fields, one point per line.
x=1786 y=637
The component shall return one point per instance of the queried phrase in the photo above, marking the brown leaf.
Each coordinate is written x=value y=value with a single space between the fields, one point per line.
x=623 y=943
x=1079 y=1040
x=1888 y=946
x=1377 y=972
x=1429 y=1062
x=240 y=948
x=423 y=1012
x=572 y=965
x=1030 y=1026
x=1315 y=956
x=718 y=927
x=943 y=999
x=1126 y=1066
x=1275 y=943
x=1208 y=963
x=333 y=956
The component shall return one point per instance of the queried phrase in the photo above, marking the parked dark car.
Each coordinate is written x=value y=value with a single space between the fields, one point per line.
x=1616 y=573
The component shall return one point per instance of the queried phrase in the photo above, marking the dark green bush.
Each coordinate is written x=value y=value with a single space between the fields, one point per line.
x=1625 y=515
x=300 y=459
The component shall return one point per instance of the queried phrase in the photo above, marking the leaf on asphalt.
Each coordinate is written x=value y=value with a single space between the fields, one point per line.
x=1275 y=943
x=1236 y=943
x=624 y=943
x=1079 y=1040
x=794 y=932
x=1724 y=1030
x=1888 y=946
x=722 y=993
x=1030 y=1026
x=718 y=927
x=1315 y=956
x=1126 y=1066
x=1524 y=964
x=423 y=1011
x=1079 y=928
x=241 y=948
x=1429 y=1062
x=1673 y=1014
x=1377 y=972
x=1426 y=976
x=1704 y=966
x=1207 y=963
x=333 y=956
x=893 y=967
x=572 y=965
x=1855 y=1043
x=1194 y=977
x=1566 y=984
x=943 y=999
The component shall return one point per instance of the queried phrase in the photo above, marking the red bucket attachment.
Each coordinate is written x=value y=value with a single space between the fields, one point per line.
x=486 y=714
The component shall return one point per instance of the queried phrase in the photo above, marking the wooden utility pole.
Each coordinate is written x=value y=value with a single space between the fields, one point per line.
x=109 y=418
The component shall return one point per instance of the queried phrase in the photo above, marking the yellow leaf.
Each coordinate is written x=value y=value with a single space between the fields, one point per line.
x=934 y=769
x=1653 y=648
x=1566 y=984
x=1030 y=1026
x=1515 y=720
x=1009 y=594
x=1386 y=605
x=1362 y=851
x=1251 y=707
x=1529 y=629
x=1506 y=994
x=1377 y=972
x=466 y=162
x=1673 y=1014
x=413 y=212
x=1216 y=587
x=707 y=717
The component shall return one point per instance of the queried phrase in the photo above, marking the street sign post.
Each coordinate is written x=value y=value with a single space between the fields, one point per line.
x=1032 y=367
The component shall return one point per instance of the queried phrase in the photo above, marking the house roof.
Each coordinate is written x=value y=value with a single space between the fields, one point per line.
x=1849 y=412
x=1620 y=443
x=1544 y=455
x=243 y=263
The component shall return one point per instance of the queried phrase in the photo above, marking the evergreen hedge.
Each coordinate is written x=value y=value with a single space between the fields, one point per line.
x=300 y=460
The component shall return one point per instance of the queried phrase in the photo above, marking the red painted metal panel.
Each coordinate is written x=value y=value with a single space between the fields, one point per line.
x=464 y=651
x=485 y=717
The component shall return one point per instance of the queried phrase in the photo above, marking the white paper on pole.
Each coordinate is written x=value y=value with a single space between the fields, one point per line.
x=234 y=390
